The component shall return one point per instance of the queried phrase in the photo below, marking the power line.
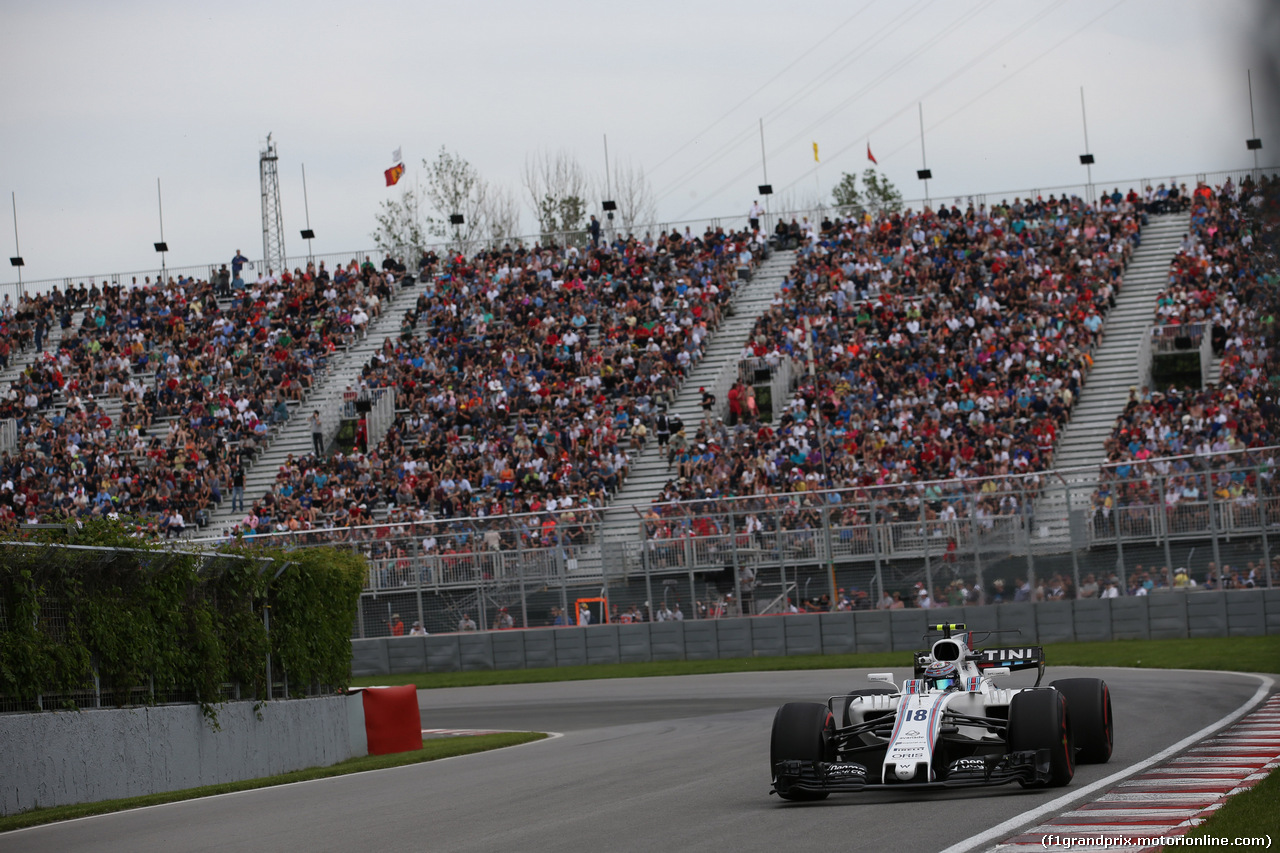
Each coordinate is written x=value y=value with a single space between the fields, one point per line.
x=847 y=59
x=997 y=84
x=886 y=74
x=764 y=85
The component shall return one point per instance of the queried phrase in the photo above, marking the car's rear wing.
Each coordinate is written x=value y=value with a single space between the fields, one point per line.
x=1016 y=658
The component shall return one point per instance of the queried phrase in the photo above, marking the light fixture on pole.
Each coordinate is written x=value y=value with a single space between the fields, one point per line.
x=766 y=188
x=1086 y=159
x=307 y=233
x=162 y=247
x=457 y=220
x=16 y=260
x=924 y=173
x=608 y=206
x=1253 y=143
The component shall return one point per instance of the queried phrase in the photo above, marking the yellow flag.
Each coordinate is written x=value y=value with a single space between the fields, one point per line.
x=815 y=152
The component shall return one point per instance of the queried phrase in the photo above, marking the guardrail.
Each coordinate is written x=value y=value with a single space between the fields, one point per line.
x=1160 y=616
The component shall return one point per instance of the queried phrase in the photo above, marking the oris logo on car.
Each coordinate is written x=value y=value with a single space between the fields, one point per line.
x=908 y=753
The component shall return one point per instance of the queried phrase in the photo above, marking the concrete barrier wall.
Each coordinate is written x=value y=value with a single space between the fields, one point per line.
x=65 y=757
x=1166 y=615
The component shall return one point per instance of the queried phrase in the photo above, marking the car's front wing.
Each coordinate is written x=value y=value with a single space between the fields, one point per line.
x=1028 y=766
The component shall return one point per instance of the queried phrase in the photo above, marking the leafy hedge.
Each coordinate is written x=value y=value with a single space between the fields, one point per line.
x=153 y=624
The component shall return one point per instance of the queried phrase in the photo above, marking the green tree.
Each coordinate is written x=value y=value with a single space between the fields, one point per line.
x=846 y=194
x=557 y=188
x=452 y=185
x=400 y=232
x=447 y=185
x=878 y=193
x=881 y=194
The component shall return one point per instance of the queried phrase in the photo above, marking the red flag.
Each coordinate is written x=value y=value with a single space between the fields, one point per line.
x=871 y=156
x=393 y=174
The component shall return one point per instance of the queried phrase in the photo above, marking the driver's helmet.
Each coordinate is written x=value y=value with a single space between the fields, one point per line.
x=942 y=675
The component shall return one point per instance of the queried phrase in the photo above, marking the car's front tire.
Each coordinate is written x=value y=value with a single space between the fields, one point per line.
x=1038 y=720
x=801 y=732
x=1092 y=727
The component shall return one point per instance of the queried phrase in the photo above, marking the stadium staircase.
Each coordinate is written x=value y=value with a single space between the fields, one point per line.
x=1116 y=368
x=20 y=361
x=327 y=395
x=648 y=469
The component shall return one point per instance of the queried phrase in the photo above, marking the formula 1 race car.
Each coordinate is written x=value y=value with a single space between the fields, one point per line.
x=949 y=726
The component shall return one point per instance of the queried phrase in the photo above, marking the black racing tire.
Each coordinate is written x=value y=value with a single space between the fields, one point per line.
x=801 y=731
x=1039 y=719
x=1092 y=726
x=866 y=691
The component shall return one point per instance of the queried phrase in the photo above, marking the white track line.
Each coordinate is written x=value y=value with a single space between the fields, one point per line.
x=1003 y=830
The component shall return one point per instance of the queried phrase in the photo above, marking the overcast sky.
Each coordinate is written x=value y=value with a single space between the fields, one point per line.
x=101 y=99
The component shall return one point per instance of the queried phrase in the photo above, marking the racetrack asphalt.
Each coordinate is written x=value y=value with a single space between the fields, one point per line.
x=676 y=763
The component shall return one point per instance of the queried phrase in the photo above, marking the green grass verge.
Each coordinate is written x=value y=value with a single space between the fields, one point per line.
x=1251 y=813
x=1246 y=654
x=431 y=751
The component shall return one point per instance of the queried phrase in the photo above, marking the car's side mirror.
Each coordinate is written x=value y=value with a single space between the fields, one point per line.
x=886 y=677
x=997 y=672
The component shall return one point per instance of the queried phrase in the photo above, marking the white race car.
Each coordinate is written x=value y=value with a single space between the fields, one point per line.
x=949 y=726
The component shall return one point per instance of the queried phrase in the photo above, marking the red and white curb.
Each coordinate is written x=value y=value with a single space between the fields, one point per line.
x=1168 y=800
x=461 y=732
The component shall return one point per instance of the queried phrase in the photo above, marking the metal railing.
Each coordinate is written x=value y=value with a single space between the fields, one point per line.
x=381 y=415
x=1054 y=529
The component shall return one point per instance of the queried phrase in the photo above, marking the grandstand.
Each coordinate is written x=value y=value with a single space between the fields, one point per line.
x=872 y=403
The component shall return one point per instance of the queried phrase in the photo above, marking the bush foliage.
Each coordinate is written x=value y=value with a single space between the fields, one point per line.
x=154 y=624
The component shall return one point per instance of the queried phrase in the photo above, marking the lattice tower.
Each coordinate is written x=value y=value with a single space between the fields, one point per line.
x=272 y=222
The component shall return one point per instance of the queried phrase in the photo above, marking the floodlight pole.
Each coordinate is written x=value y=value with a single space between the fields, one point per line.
x=160 y=208
x=764 y=168
x=17 y=250
x=1253 y=129
x=1084 y=120
x=924 y=160
x=608 y=191
x=307 y=208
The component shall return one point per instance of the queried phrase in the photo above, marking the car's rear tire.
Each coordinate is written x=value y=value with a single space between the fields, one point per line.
x=801 y=732
x=866 y=691
x=1038 y=719
x=1092 y=726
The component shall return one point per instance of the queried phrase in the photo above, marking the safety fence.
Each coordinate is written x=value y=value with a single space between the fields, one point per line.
x=1134 y=528
x=1159 y=616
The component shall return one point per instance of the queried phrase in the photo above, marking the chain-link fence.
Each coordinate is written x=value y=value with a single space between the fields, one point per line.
x=58 y=603
x=1183 y=523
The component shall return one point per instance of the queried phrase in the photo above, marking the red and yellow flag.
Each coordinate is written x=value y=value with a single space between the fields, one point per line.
x=394 y=173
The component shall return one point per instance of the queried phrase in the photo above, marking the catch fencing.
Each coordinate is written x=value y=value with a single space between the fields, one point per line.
x=1160 y=616
x=1059 y=535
